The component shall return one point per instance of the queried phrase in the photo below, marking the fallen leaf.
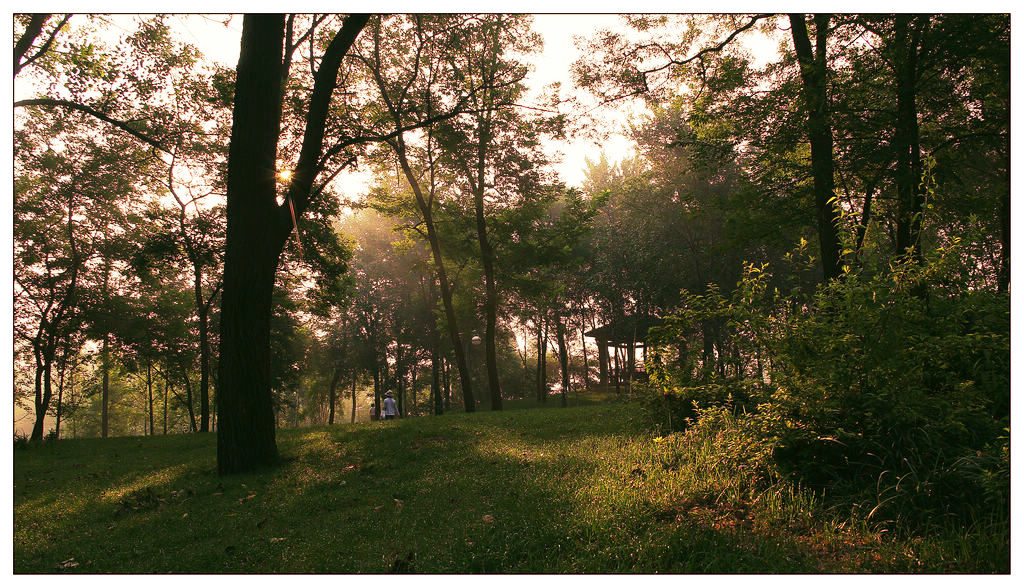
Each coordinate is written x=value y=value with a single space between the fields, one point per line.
x=276 y=539
x=488 y=518
x=233 y=514
x=68 y=563
x=184 y=515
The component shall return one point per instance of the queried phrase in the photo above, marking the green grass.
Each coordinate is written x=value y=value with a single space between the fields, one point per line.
x=584 y=489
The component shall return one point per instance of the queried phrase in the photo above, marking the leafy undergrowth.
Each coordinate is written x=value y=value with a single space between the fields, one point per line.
x=584 y=489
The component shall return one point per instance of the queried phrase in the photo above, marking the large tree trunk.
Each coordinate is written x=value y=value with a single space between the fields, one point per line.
x=245 y=434
x=257 y=229
x=907 y=137
x=814 y=73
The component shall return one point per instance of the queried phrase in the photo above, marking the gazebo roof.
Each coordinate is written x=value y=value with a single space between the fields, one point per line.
x=626 y=330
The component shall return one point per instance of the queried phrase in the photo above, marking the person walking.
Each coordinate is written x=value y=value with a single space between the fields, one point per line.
x=390 y=408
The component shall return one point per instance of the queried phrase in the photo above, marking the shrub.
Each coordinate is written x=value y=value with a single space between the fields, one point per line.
x=890 y=388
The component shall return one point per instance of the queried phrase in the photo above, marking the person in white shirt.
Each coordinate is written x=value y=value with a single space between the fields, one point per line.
x=390 y=408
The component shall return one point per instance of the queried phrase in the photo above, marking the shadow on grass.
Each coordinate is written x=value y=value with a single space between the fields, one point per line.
x=546 y=491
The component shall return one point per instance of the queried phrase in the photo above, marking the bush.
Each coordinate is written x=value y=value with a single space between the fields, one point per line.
x=889 y=389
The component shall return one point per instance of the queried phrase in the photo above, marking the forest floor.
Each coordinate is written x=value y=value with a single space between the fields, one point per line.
x=585 y=489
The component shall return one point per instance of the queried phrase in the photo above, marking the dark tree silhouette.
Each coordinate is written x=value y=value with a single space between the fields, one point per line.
x=258 y=227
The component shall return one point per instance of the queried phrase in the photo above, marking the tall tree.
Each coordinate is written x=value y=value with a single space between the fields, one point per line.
x=814 y=70
x=412 y=95
x=258 y=227
x=71 y=206
x=495 y=148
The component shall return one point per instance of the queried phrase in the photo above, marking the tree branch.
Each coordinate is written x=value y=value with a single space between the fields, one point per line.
x=316 y=118
x=51 y=102
x=32 y=32
x=716 y=48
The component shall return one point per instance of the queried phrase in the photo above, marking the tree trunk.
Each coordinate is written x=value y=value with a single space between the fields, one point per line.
x=563 y=358
x=602 y=359
x=442 y=276
x=412 y=389
x=907 y=138
x=40 y=401
x=245 y=434
x=400 y=381
x=446 y=376
x=166 y=386
x=376 y=390
x=202 y=312
x=60 y=389
x=618 y=371
x=490 y=288
x=149 y=393
x=542 y=368
x=258 y=228
x=583 y=346
x=353 y=396
x=1004 y=239
x=189 y=403
x=435 y=371
x=105 y=387
x=332 y=395
x=814 y=73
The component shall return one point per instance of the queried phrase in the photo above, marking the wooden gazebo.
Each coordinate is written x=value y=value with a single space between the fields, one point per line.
x=617 y=343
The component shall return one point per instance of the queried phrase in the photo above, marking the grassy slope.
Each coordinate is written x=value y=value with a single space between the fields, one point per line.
x=551 y=490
